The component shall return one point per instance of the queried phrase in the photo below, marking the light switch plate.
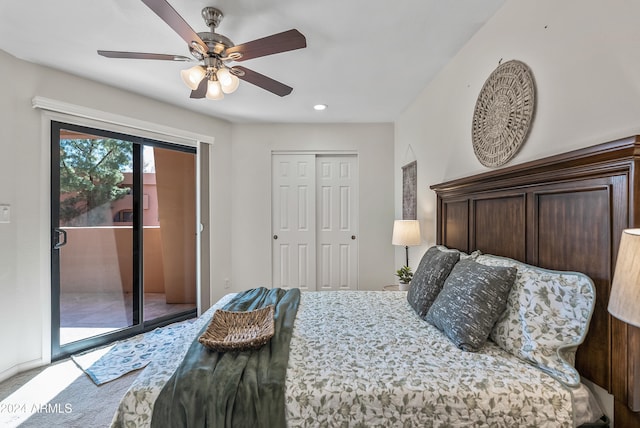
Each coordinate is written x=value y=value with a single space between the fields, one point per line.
x=5 y=213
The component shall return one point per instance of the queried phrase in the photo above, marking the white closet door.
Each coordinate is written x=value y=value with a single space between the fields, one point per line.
x=294 y=226
x=337 y=222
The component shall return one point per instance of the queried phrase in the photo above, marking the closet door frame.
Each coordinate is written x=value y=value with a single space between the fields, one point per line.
x=286 y=275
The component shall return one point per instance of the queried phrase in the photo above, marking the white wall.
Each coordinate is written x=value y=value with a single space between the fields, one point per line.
x=24 y=160
x=585 y=61
x=584 y=58
x=240 y=185
x=251 y=184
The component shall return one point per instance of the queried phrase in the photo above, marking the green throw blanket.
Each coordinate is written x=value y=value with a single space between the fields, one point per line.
x=233 y=389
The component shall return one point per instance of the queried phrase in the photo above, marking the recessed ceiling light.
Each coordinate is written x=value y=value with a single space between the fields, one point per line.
x=320 y=107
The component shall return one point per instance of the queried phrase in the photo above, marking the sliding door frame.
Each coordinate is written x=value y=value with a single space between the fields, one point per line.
x=55 y=110
x=138 y=323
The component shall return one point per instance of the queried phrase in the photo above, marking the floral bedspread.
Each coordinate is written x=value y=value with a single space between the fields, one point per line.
x=365 y=359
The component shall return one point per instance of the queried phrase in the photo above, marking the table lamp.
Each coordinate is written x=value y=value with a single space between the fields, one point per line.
x=624 y=301
x=406 y=232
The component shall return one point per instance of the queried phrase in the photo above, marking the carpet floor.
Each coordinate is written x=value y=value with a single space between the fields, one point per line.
x=59 y=395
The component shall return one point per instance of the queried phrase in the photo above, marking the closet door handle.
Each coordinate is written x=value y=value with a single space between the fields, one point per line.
x=275 y=236
x=56 y=237
x=353 y=237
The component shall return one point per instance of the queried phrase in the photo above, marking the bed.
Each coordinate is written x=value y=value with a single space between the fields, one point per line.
x=562 y=213
x=367 y=359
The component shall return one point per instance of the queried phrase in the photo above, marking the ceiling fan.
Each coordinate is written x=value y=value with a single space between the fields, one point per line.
x=213 y=77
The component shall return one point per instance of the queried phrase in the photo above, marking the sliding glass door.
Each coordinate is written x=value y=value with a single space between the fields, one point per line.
x=123 y=236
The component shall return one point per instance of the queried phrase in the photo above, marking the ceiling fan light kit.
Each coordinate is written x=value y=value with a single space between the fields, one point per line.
x=214 y=90
x=192 y=76
x=214 y=78
x=229 y=82
x=219 y=80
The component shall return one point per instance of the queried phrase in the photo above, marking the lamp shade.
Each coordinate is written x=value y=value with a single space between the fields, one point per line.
x=228 y=81
x=192 y=76
x=214 y=91
x=406 y=232
x=624 y=301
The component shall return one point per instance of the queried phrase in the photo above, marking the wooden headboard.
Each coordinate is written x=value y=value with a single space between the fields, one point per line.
x=565 y=212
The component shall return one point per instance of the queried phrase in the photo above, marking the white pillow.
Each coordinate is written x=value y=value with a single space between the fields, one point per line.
x=547 y=317
x=463 y=255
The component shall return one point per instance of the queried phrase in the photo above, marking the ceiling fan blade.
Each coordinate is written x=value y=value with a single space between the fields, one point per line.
x=276 y=43
x=169 y=15
x=142 y=55
x=263 y=81
x=201 y=90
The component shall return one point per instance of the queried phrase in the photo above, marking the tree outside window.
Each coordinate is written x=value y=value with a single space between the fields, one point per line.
x=91 y=179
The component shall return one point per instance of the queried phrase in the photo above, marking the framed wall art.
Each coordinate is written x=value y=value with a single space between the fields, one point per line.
x=409 y=191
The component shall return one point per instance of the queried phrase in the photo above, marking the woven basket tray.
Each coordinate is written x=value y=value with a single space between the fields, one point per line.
x=238 y=331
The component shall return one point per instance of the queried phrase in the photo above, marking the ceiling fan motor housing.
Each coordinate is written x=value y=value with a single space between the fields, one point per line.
x=217 y=43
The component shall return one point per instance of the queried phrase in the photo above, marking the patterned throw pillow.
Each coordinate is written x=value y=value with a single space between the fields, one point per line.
x=427 y=282
x=547 y=317
x=472 y=299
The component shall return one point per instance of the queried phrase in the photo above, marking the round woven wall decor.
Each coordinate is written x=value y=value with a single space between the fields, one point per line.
x=503 y=113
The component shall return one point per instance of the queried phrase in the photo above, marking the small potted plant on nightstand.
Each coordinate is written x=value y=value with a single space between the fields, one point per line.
x=404 y=274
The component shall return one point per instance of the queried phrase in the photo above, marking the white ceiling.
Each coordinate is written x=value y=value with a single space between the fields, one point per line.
x=365 y=59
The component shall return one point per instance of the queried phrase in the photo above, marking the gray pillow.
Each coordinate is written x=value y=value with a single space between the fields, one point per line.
x=429 y=278
x=471 y=301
